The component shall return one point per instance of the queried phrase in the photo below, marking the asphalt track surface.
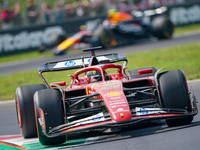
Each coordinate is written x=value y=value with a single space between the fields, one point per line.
x=150 y=136
x=144 y=45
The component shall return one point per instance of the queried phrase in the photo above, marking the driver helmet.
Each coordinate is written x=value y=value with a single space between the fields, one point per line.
x=111 y=14
x=115 y=16
x=94 y=76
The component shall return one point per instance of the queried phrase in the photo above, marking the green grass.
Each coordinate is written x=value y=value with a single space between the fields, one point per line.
x=30 y=55
x=184 y=57
x=24 y=56
x=187 y=29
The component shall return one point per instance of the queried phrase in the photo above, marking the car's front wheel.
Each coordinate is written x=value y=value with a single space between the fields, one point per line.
x=174 y=94
x=49 y=114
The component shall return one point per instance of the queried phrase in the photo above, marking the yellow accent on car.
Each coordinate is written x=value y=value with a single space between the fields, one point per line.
x=65 y=44
x=114 y=43
x=113 y=94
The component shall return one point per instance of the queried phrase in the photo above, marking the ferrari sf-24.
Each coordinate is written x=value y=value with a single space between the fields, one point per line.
x=101 y=96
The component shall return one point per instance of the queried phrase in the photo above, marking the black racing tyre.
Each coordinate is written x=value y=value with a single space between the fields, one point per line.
x=174 y=94
x=25 y=109
x=49 y=102
x=108 y=39
x=162 y=27
x=134 y=73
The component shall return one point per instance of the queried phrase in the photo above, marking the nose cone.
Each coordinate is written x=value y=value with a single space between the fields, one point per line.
x=114 y=99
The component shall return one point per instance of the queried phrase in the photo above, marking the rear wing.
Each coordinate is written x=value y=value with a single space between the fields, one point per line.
x=78 y=63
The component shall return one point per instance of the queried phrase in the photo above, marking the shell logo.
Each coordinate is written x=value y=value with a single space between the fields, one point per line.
x=113 y=94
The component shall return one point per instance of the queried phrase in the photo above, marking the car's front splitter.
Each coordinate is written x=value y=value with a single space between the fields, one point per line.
x=65 y=129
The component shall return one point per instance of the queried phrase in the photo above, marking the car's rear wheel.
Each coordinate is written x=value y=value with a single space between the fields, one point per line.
x=25 y=109
x=162 y=27
x=49 y=109
x=134 y=73
x=174 y=94
x=108 y=39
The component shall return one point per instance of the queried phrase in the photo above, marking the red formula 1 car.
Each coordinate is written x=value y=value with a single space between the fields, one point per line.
x=102 y=96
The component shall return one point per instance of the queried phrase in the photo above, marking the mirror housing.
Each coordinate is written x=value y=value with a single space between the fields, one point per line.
x=62 y=83
x=145 y=71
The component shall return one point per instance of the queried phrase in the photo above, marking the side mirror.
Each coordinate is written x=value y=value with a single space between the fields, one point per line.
x=63 y=83
x=145 y=71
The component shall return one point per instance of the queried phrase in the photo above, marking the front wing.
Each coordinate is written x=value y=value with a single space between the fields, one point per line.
x=139 y=115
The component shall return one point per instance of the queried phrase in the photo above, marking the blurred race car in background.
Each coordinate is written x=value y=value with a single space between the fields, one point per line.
x=102 y=97
x=121 y=28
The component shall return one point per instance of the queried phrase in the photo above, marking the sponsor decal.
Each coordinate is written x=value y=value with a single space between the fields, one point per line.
x=96 y=118
x=113 y=94
x=115 y=97
x=143 y=111
x=148 y=111
x=131 y=28
x=120 y=109
x=110 y=83
x=70 y=63
x=26 y=40
x=109 y=87
x=118 y=103
x=115 y=106
x=182 y=15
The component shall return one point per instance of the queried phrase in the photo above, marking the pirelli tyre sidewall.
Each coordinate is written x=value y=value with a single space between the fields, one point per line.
x=174 y=94
x=162 y=27
x=48 y=109
x=25 y=109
